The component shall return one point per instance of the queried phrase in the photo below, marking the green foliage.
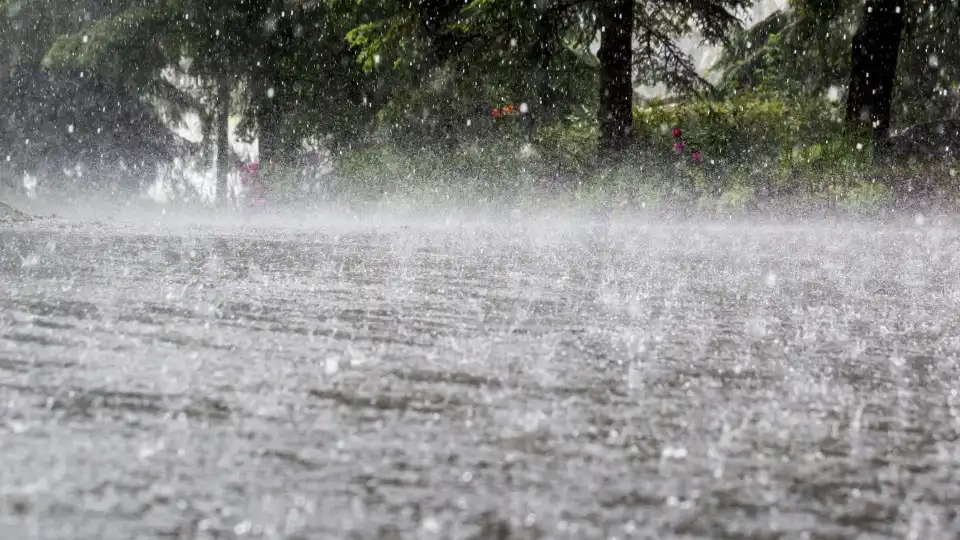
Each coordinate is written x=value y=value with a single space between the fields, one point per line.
x=570 y=141
x=117 y=52
x=445 y=56
x=490 y=167
x=737 y=197
x=866 y=196
x=765 y=130
x=131 y=34
x=401 y=92
x=91 y=113
x=805 y=51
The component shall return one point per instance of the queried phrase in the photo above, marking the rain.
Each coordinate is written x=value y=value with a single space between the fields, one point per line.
x=479 y=270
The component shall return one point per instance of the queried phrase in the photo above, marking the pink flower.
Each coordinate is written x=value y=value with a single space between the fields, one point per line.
x=678 y=147
x=677 y=133
x=696 y=156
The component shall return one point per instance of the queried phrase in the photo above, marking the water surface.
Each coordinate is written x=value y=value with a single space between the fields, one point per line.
x=488 y=380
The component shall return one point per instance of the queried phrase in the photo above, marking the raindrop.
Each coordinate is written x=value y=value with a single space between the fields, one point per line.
x=331 y=366
x=524 y=108
x=770 y=280
x=755 y=328
x=430 y=525
x=70 y=128
x=86 y=38
x=859 y=146
x=271 y=92
x=933 y=60
x=674 y=453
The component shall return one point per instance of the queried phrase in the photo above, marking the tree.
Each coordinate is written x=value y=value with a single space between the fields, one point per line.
x=873 y=68
x=806 y=51
x=295 y=78
x=538 y=52
x=342 y=72
x=223 y=137
x=803 y=50
x=89 y=115
x=284 y=67
x=616 y=77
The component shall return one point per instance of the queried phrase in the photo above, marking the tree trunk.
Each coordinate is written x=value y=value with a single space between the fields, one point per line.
x=222 y=118
x=543 y=101
x=269 y=96
x=873 y=68
x=616 y=77
x=208 y=147
x=266 y=132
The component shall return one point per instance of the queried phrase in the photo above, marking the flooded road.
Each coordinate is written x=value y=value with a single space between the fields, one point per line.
x=521 y=380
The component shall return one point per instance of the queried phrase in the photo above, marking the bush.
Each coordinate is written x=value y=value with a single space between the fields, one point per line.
x=754 y=147
x=866 y=196
x=758 y=130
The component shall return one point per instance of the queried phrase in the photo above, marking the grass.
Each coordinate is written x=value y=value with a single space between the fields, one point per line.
x=498 y=175
x=760 y=154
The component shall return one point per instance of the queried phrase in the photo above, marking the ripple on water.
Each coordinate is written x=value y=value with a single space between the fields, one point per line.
x=626 y=380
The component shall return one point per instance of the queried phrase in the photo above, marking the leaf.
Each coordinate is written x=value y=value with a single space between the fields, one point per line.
x=97 y=45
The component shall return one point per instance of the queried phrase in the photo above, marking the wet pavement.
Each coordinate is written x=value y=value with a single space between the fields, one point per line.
x=489 y=380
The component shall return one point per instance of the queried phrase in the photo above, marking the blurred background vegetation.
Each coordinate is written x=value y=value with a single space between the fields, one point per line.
x=368 y=96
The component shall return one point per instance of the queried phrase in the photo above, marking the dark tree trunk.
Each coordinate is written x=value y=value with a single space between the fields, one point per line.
x=268 y=124
x=616 y=77
x=269 y=94
x=541 y=107
x=222 y=118
x=873 y=68
x=208 y=141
